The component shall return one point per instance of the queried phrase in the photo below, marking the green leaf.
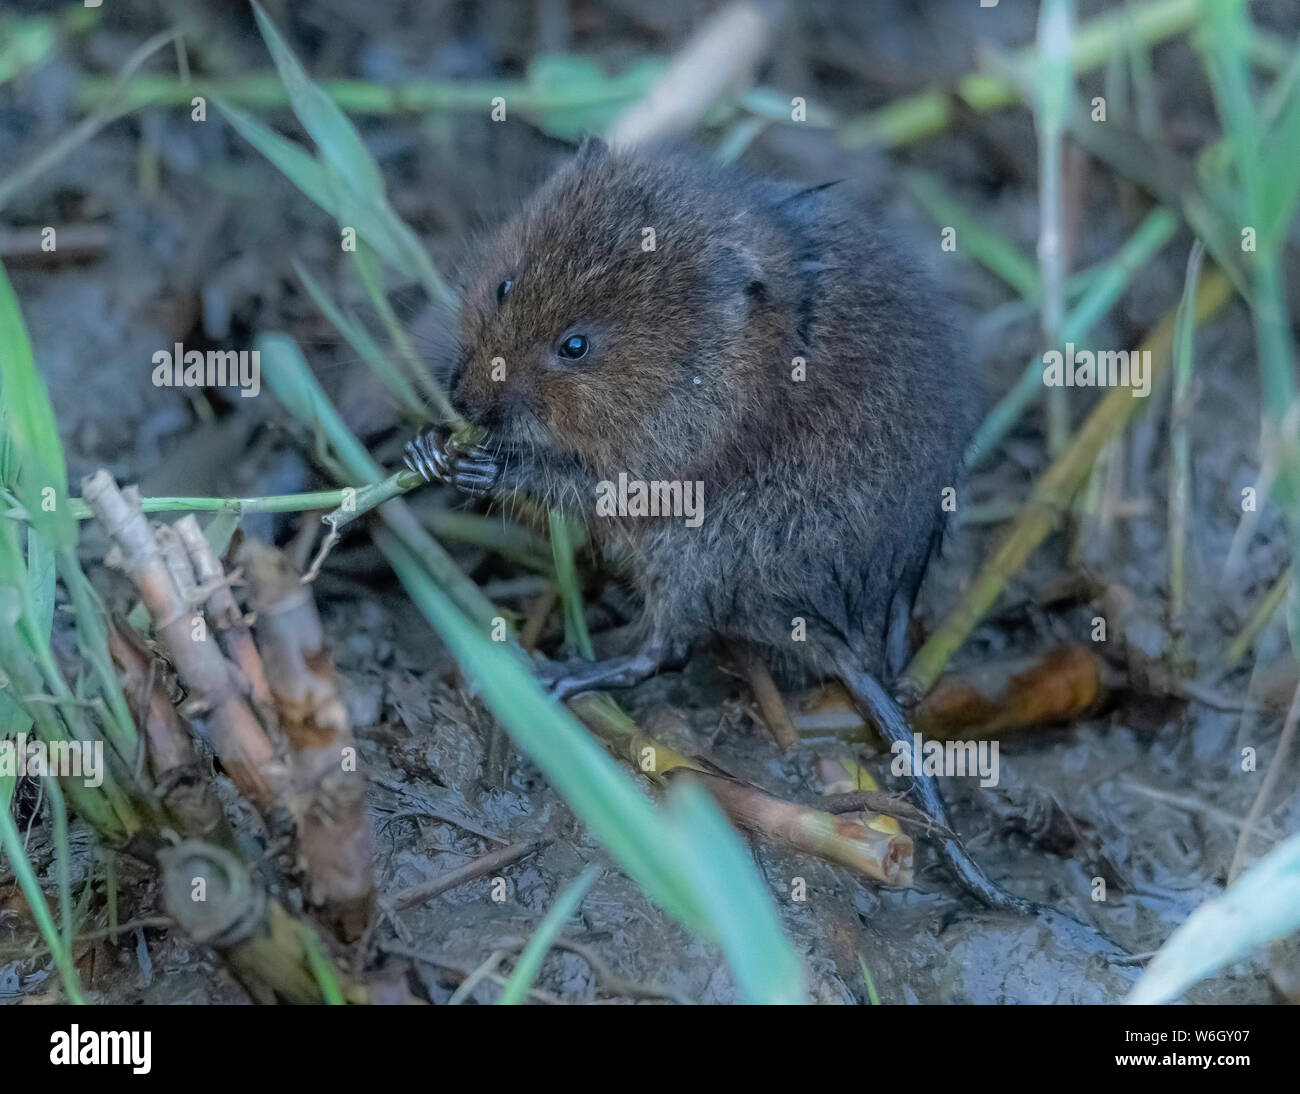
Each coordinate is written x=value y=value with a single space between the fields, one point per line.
x=335 y=136
x=1279 y=167
x=298 y=166
x=581 y=97
x=736 y=904
x=29 y=423
x=343 y=179
x=566 y=576
x=977 y=240
x=40 y=586
x=25 y=44
x=1263 y=904
x=530 y=961
x=872 y=994
x=365 y=346
x=13 y=721
x=221 y=530
x=1224 y=42
x=321 y=967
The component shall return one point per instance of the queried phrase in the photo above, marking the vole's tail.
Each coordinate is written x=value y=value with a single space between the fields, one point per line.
x=874 y=703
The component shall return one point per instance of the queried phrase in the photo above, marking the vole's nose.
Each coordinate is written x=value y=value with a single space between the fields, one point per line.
x=487 y=401
x=482 y=408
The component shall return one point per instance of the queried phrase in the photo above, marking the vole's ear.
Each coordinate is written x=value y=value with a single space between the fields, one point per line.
x=591 y=150
x=739 y=283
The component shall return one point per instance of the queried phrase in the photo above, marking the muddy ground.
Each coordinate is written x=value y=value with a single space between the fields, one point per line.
x=198 y=236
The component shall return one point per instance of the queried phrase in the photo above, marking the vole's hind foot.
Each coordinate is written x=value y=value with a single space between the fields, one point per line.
x=471 y=469
x=564 y=679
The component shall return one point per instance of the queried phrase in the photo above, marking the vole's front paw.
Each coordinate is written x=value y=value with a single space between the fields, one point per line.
x=473 y=470
x=426 y=454
x=470 y=468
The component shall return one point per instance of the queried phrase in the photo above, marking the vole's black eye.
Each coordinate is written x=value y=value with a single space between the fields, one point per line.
x=504 y=288
x=574 y=348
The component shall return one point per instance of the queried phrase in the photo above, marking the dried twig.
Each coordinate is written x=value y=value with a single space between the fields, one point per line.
x=883 y=856
x=476 y=868
x=768 y=697
x=719 y=58
x=328 y=799
x=216 y=901
x=178 y=774
x=226 y=618
x=237 y=736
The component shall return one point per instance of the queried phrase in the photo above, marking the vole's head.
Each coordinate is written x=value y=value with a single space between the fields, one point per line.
x=602 y=327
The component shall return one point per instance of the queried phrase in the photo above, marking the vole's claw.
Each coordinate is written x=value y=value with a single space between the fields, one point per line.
x=425 y=455
x=471 y=469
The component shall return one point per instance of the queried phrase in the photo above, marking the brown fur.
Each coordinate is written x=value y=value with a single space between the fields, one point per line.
x=821 y=497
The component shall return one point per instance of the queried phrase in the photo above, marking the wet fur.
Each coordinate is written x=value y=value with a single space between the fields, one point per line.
x=822 y=497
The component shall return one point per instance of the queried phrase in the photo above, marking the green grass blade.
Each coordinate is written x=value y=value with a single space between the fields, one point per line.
x=1224 y=41
x=1179 y=443
x=1280 y=161
x=25 y=44
x=530 y=961
x=1053 y=92
x=575 y=765
x=312 y=178
x=40 y=586
x=299 y=167
x=1100 y=296
x=335 y=136
x=736 y=902
x=872 y=994
x=975 y=240
x=346 y=181
x=373 y=281
x=12 y=722
x=576 y=636
x=1262 y=905
x=321 y=967
x=42 y=480
x=365 y=347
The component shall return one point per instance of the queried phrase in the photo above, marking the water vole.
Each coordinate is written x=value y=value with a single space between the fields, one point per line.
x=658 y=319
